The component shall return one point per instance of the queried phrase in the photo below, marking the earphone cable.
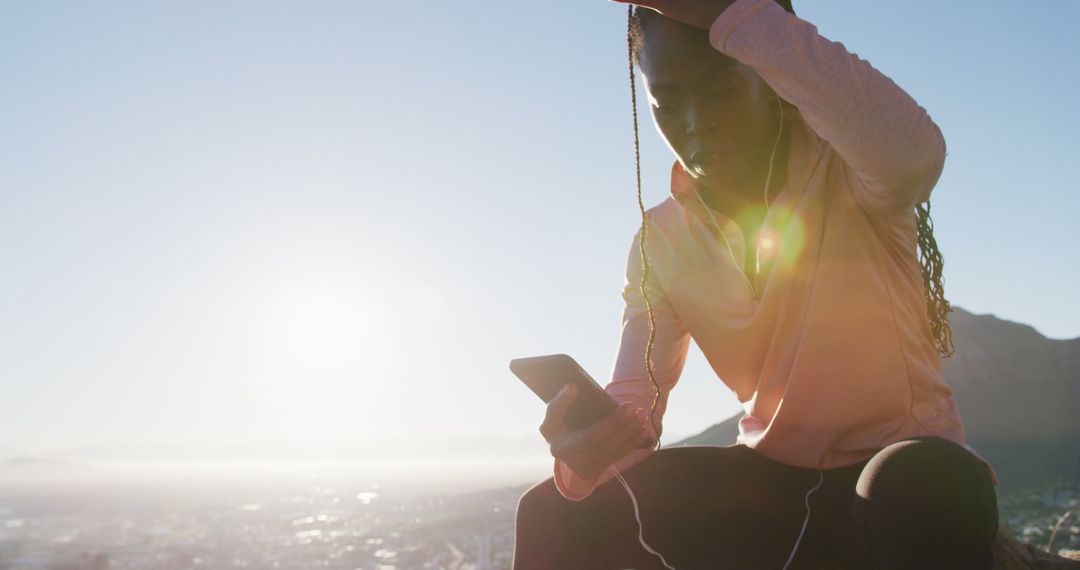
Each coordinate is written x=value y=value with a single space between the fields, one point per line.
x=768 y=181
x=648 y=303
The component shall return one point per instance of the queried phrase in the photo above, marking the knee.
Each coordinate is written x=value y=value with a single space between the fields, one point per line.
x=540 y=498
x=538 y=530
x=927 y=495
x=930 y=467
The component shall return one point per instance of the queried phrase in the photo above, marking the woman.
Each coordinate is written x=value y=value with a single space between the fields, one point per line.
x=787 y=251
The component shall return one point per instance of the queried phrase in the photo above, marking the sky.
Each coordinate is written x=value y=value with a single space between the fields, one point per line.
x=317 y=223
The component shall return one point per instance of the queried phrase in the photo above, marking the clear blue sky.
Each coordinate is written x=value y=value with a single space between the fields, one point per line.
x=330 y=221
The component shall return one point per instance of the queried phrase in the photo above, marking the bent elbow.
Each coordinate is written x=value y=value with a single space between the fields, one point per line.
x=914 y=183
x=930 y=168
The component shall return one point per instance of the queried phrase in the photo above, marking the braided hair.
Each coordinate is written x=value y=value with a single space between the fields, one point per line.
x=932 y=263
x=930 y=258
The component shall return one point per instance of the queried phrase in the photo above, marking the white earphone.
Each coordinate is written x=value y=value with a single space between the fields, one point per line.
x=821 y=474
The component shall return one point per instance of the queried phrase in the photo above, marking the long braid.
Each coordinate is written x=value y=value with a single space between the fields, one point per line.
x=635 y=37
x=630 y=41
x=937 y=306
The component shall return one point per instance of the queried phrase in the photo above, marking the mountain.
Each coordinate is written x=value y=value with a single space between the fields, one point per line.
x=1019 y=397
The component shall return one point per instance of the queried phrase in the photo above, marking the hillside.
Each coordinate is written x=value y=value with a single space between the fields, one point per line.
x=1018 y=394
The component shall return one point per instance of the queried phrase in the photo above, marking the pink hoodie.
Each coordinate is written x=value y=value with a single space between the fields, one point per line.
x=836 y=360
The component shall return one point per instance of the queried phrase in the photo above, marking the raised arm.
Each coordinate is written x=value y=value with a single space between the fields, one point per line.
x=894 y=150
x=630 y=379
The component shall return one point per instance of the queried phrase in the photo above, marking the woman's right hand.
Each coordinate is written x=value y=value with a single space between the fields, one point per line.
x=588 y=451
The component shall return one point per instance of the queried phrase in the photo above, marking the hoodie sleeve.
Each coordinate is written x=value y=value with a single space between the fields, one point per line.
x=893 y=150
x=630 y=379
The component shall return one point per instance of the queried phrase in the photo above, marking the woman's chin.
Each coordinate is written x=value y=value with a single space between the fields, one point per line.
x=720 y=174
x=714 y=178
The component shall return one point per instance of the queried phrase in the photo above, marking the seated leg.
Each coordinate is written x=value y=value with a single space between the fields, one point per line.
x=701 y=507
x=926 y=503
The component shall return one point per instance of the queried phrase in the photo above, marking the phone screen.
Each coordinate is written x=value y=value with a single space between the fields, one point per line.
x=546 y=375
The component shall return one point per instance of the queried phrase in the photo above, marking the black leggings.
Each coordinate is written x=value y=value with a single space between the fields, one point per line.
x=924 y=503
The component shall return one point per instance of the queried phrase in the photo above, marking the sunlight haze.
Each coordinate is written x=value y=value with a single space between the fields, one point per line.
x=315 y=225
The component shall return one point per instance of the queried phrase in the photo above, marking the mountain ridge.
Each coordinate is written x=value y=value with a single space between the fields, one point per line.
x=999 y=363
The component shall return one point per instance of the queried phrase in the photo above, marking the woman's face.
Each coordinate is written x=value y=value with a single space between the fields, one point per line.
x=715 y=113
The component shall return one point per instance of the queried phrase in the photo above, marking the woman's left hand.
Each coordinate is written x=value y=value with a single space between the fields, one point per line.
x=697 y=13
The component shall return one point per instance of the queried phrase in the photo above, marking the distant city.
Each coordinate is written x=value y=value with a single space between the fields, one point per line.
x=317 y=523
x=321 y=522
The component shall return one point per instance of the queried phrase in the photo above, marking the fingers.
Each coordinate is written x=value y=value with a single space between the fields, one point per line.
x=611 y=426
x=556 y=411
x=624 y=442
x=589 y=451
x=629 y=425
x=588 y=439
x=597 y=459
x=597 y=448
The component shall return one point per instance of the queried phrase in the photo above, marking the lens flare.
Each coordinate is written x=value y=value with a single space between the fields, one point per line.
x=782 y=242
x=789 y=246
x=767 y=242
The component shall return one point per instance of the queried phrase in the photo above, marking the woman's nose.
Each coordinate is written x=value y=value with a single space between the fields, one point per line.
x=699 y=120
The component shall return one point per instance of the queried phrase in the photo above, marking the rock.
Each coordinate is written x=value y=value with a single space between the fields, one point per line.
x=1011 y=554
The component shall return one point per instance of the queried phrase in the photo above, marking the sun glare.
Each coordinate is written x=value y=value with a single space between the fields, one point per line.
x=336 y=333
x=332 y=356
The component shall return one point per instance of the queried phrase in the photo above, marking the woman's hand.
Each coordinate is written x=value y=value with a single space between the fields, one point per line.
x=590 y=450
x=697 y=13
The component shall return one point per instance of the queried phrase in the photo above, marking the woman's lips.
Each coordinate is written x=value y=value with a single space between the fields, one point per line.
x=706 y=156
x=701 y=160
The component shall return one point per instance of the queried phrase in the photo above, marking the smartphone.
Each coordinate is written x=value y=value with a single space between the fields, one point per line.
x=546 y=375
